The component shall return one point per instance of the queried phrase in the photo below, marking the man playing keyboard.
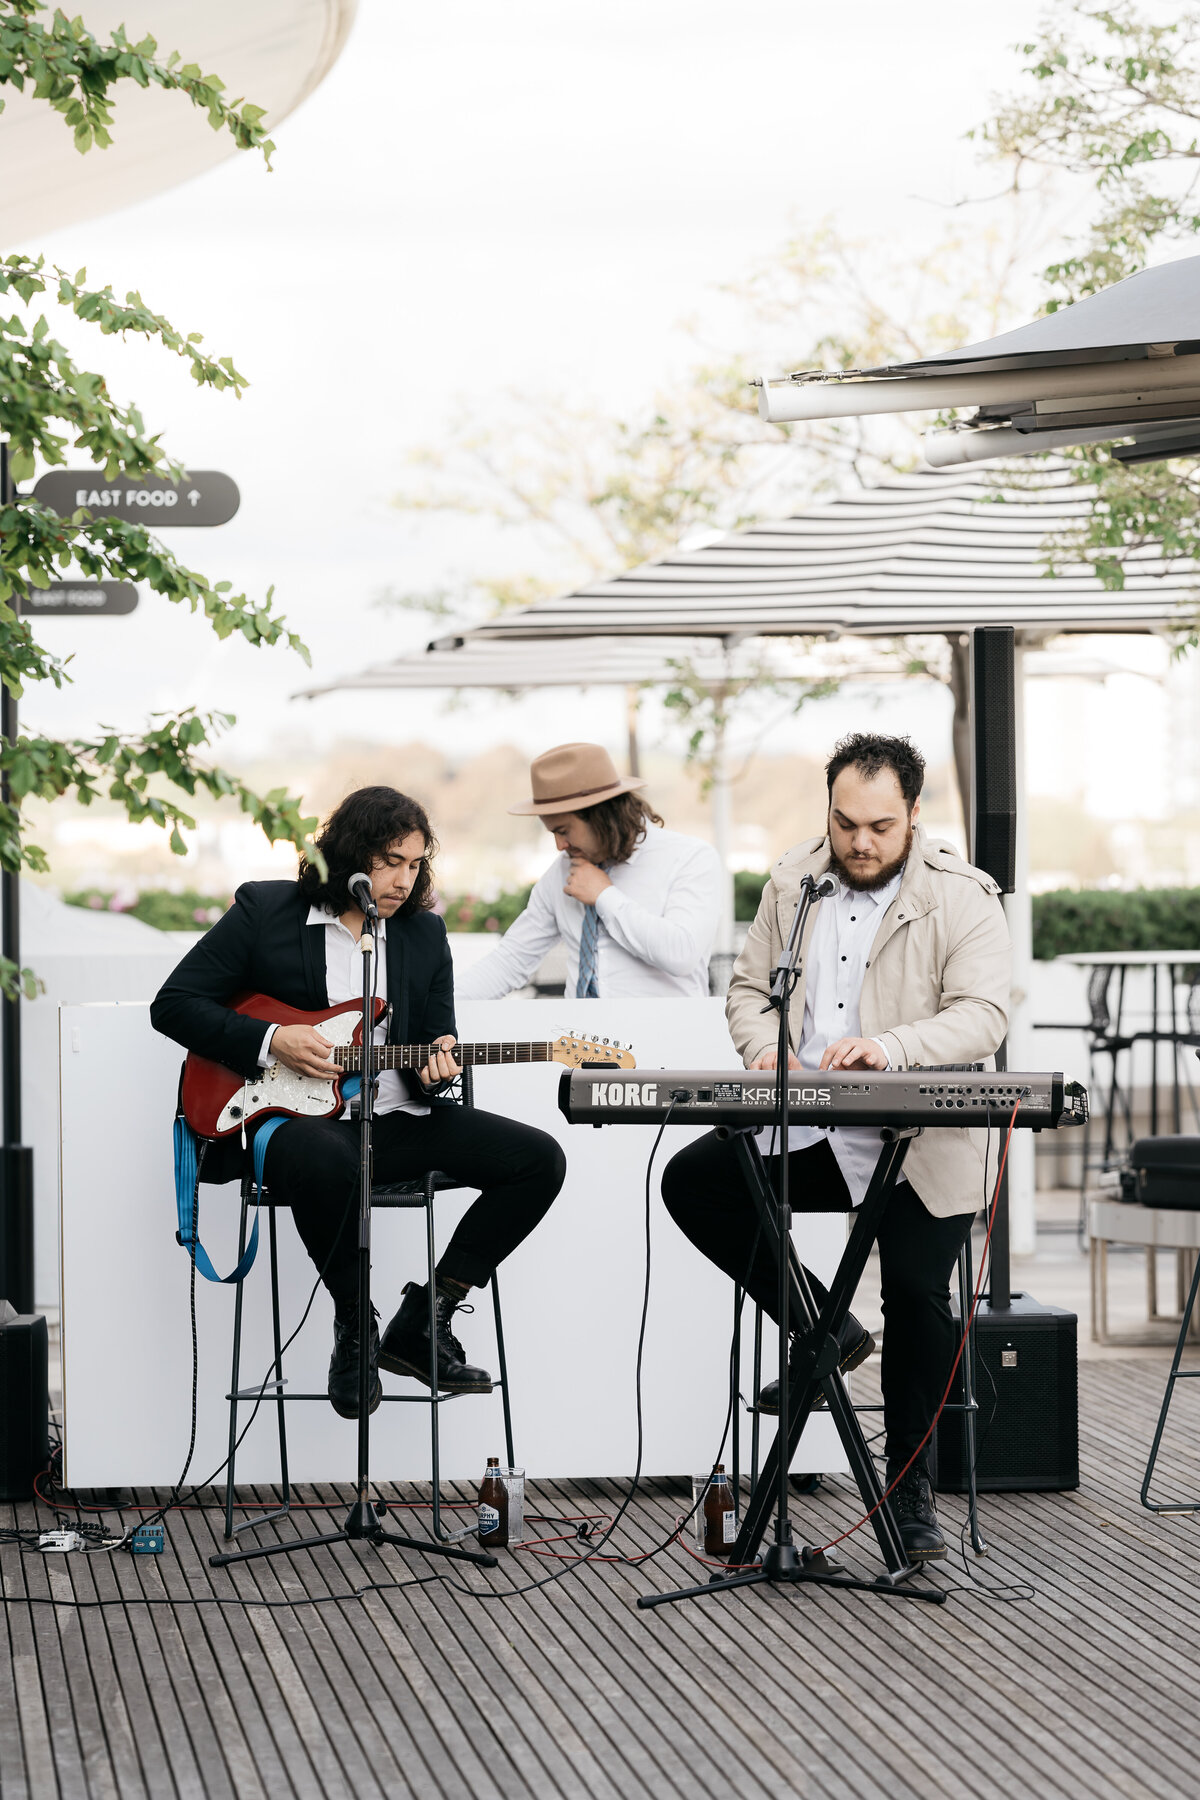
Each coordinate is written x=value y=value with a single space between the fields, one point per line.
x=906 y=963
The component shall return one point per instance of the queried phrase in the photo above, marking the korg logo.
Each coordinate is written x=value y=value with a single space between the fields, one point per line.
x=624 y=1093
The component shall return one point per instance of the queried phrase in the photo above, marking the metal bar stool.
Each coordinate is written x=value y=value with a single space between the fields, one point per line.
x=394 y=1196
x=967 y=1405
x=1186 y=1169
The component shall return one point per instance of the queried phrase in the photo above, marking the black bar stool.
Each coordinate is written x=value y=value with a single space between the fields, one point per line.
x=967 y=1404
x=404 y=1195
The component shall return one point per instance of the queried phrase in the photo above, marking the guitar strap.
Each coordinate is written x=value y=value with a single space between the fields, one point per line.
x=189 y=1158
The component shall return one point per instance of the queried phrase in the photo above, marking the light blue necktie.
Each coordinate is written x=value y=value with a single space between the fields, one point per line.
x=589 y=941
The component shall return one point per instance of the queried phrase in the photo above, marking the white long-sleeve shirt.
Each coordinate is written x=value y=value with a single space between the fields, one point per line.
x=658 y=921
x=343 y=981
x=836 y=963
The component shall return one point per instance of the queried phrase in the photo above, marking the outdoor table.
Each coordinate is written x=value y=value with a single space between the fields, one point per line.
x=1153 y=1228
x=1173 y=962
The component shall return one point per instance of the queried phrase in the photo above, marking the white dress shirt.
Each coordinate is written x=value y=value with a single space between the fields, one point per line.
x=343 y=980
x=836 y=962
x=657 y=925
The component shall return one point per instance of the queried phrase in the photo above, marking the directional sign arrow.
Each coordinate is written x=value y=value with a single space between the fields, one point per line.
x=203 y=497
x=76 y=598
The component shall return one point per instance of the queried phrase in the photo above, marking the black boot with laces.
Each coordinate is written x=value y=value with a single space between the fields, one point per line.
x=343 y=1364
x=405 y=1346
x=916 y=1519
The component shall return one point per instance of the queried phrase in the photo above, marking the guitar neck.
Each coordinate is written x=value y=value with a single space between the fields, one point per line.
x=415 y=1056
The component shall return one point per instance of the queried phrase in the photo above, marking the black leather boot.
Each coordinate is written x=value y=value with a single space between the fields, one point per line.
x=405 y=1346
x=855 y=1343
x=916 y=1519
x=343 y=1364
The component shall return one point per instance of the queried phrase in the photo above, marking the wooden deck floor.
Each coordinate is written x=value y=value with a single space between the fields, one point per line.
x=1081 y=1683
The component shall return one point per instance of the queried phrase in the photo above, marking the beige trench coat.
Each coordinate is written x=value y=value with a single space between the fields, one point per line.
x=936 y=990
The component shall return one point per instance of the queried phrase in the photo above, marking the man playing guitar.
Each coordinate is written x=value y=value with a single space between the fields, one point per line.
x=298 y=942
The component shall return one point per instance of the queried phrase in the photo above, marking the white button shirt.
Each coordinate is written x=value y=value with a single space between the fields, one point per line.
x=837 y=957
x=658 y=921
x=343 y=980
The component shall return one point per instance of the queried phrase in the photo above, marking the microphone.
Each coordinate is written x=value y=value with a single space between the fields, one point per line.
x=826 y=886
x=360 y=890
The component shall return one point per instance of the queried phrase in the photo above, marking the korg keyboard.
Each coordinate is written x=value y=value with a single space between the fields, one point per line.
x=929 y=1097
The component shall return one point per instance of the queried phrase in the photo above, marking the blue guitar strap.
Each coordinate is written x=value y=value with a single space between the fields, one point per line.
x=187 y=1197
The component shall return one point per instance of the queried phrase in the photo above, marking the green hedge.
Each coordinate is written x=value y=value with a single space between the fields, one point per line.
x=1092 y=920
x=467 y=912
x=188 y=911
x=1079 y=921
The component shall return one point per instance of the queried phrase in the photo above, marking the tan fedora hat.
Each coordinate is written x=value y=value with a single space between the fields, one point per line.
x=572 y=777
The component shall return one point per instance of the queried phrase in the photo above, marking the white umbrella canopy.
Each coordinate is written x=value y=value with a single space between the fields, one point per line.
x=920 y=554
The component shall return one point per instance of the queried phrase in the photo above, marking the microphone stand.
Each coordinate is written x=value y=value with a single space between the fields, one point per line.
x=782 y=1561
x=362 y=1523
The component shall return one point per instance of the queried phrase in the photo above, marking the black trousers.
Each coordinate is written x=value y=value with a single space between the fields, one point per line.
x=314 y=1165
x=708 y=1199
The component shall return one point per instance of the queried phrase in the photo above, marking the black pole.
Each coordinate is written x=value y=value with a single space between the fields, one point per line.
x=16 y=1159
x=994 y=841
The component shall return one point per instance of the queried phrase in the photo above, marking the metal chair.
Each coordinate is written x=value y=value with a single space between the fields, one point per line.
x=1105 y=1038
x=1192 y=1202
x=405 y=1195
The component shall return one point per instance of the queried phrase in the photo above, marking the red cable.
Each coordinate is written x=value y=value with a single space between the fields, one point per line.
x=892 y=1485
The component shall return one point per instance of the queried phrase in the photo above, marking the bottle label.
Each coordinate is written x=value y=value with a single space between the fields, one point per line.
x=729 y=1527
x=489 y=1520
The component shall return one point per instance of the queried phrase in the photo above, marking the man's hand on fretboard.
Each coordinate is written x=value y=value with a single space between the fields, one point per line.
x=441 y=1065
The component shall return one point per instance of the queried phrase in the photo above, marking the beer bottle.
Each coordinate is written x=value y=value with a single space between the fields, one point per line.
x=720 y=1519
x=493 y=1507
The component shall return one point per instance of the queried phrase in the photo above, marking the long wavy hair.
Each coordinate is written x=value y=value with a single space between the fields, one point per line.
x=358 y=834
x=620 y=824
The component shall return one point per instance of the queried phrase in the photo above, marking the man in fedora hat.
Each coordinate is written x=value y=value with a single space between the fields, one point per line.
x=635 y=906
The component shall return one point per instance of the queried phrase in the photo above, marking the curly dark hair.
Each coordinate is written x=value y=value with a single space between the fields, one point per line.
x=869 y=752
x=357 y=834
x=620 y=824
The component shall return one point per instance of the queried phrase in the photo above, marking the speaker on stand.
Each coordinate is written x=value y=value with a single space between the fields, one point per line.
x=1025 y=1353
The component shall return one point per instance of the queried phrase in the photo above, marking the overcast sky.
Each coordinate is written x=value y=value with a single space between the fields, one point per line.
x=530 y=196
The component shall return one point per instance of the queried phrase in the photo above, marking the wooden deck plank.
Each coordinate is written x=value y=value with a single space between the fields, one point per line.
x=1083 y=1692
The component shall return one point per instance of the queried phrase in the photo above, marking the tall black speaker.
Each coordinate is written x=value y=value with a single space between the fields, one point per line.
x=24 y=1401
x=994 y=754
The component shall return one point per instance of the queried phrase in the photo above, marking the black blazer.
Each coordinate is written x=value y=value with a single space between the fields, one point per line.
x=264 y=945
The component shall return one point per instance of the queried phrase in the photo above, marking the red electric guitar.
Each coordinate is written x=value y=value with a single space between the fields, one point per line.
x=218 y=1102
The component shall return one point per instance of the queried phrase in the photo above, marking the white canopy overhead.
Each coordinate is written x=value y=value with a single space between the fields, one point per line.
x=274 y=53
x=1124 y=363
x=922 y=553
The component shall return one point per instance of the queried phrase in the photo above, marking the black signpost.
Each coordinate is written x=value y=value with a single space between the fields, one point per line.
x=203 y=497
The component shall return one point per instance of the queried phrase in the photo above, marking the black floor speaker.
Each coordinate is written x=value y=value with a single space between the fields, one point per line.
x=1027 y=1389
x=24 y=1401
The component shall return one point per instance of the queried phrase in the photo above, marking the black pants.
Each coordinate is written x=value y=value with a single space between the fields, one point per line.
x=314 y=1164
x=707 y=1197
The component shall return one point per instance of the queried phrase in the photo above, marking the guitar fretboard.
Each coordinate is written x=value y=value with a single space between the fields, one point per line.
x=415 y=1056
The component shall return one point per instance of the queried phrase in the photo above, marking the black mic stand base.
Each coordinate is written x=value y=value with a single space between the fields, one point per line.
x=362 y=1526
x=785 y=1566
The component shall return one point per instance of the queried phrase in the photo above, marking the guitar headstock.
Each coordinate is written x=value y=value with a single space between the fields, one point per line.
x=574 y=1051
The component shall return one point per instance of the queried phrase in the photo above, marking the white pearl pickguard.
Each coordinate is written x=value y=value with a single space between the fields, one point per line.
x=310 y=1096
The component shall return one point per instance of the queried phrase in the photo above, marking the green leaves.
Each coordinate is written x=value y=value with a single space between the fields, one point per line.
x=138 y=770
x=75 y=73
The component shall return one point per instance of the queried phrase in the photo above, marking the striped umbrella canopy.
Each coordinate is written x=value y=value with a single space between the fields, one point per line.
x=922 y=553
x=603 y=662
